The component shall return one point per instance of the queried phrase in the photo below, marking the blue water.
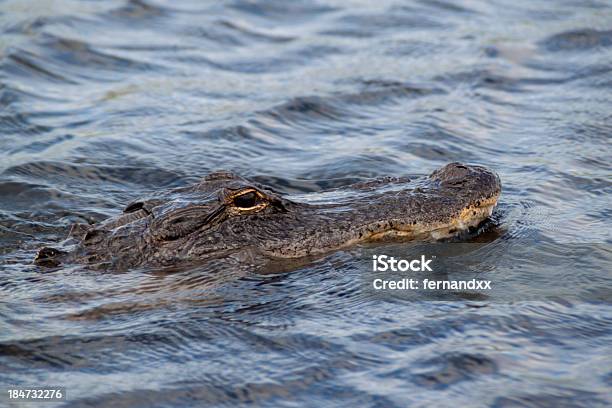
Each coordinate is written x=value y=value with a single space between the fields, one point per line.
x=104 y=101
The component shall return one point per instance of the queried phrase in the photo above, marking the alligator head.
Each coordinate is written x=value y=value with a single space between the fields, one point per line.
x=227 y=215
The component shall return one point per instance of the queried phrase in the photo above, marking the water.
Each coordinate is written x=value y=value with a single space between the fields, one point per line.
x=101 y=102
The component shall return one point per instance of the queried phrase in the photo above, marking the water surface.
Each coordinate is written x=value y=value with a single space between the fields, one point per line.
x=103 y=101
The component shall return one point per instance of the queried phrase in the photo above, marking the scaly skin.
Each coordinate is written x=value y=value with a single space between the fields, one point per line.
x=227 y=215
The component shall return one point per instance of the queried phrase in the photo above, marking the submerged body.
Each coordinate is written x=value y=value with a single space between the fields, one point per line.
x=226 y=215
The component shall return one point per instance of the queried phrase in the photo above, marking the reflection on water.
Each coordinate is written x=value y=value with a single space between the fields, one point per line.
x=102 y=102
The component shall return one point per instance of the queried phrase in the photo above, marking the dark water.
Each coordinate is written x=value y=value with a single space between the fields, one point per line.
x=102 y=101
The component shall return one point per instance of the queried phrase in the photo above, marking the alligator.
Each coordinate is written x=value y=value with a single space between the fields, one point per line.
x=225 y=215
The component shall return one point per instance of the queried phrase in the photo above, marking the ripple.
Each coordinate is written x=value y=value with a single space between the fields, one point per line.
x=84 y=56
x=559 y=399
x=578 y=40
x=68 y=173
x=22 y=125
x=27 y=64
x=281 y=11
x=453 y=368
x=137 y=10
x=254 y=33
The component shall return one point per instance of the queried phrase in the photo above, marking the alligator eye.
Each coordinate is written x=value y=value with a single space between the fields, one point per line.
x=247 y=200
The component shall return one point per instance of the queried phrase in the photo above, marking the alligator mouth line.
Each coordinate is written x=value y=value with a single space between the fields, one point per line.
x=470 y=217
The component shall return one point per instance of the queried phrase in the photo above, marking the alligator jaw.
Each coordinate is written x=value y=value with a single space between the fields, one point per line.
x=470 y=217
